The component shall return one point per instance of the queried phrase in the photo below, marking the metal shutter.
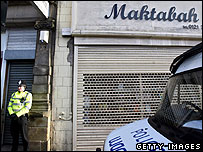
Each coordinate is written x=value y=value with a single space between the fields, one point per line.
x=116 y=85
x=17 y=71
x=22 y=39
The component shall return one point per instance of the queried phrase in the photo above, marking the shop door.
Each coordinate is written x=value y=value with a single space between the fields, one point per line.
x=116 y=85
x=17 y=71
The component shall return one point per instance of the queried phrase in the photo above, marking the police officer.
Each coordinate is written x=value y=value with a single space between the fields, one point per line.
x=19 y=105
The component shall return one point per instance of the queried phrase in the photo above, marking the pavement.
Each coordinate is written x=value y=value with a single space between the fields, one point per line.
x=8 y=148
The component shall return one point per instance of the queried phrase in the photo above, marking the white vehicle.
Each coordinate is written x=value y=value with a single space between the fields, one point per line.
x=177 y=124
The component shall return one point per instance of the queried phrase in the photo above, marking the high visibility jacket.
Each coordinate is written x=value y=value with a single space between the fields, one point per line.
x=20 y=103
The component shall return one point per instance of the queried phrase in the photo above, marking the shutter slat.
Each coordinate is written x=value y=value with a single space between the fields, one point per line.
x=22 y=39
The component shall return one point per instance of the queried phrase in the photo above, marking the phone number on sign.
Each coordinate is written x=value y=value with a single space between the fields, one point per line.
x=192 y=26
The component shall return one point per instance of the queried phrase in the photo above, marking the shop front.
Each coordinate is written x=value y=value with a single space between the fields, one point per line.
x=122 y=54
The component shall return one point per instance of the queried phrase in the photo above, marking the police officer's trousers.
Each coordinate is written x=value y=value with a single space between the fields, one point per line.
x=18 y=126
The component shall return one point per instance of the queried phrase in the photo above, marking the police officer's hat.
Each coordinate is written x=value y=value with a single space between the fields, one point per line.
x=22 y=83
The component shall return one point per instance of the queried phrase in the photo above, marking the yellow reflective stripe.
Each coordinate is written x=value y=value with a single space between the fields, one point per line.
x=16 y=106
x=10 y=110
x=11 y=100
x=13 y=95
x=22 y=112
x=16 y=109
x=10 y=103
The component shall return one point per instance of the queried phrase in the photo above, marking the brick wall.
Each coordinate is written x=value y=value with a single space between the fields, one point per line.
x=62 y=84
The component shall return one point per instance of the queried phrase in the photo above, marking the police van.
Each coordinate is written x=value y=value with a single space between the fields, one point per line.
x=177 y=123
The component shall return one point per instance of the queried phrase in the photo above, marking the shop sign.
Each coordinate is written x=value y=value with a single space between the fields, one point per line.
x=138 y=17
x=145 y=14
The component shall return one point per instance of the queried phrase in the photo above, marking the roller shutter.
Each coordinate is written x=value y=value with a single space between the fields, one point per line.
x=17 y=71
x=116 y=85
x=21 y=39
